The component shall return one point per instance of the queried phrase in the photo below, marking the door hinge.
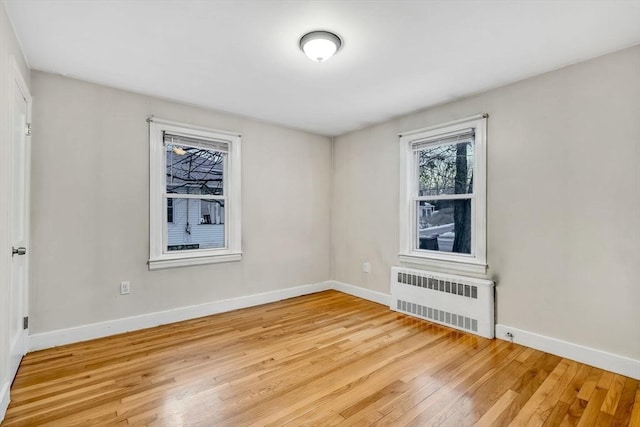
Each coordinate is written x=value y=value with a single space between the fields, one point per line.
x=27 y=129
x=25 y=322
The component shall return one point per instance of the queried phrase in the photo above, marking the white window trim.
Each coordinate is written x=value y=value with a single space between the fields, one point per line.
x=475 y=263
x=158 y=258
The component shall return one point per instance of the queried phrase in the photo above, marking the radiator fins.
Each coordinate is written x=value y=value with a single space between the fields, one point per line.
x=447 y=286
x=441 y=316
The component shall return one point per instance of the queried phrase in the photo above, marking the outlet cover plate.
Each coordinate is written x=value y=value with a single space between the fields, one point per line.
x=125 y=288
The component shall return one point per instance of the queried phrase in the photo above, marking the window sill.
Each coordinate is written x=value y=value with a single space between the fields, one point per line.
x=185 y=261
x=444 y=264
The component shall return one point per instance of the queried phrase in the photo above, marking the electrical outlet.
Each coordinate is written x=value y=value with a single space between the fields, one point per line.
x=125 y=288
x=366 y=267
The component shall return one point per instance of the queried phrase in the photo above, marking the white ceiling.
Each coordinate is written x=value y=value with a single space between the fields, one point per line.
x=242 y=56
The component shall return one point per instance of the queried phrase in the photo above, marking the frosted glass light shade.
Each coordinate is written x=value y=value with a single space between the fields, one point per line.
x=320 y=45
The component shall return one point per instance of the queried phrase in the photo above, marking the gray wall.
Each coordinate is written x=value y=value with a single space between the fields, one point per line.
x=8 y=47
x=563 y=201
x=90 y=209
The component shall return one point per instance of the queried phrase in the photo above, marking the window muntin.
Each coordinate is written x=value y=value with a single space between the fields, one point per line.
x=443 y=196
x=195 y=195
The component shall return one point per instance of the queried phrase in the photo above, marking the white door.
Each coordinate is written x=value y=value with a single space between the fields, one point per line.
x=19 y=219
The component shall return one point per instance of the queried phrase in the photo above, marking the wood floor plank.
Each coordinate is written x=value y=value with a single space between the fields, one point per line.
x=498 y=384
x=578 y=405
x=590 y=384
x=557 y=415
x=463 y=365
x=352 y=393
x=538 y=367
x=626 y=403
x=494 y=412
x=552 y=407
x=529 y=415
x=634 y=420
x=570 y=393
x=420 y=402
x=592 y=411
x=465 y=407
x=323 y=359
x=612 y=398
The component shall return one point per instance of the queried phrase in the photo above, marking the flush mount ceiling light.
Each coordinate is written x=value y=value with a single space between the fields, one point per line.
x=320 y=45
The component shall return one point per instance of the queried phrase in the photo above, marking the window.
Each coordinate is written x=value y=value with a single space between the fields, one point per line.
x=194 y=195
x=443 y=196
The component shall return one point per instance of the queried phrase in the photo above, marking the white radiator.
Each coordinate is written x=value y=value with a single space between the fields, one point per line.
x=464 y=303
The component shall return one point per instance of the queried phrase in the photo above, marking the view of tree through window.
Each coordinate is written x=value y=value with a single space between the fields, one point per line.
x=197 y=222
x=444 y=192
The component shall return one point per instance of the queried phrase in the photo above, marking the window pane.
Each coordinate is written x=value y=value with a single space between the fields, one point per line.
x=192 y=170
x=445 y=169
x=189 y=232
x=444 y=225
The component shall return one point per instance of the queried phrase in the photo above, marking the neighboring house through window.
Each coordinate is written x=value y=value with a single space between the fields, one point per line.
x=443 y=196
x=211 y=212
x=195 y=186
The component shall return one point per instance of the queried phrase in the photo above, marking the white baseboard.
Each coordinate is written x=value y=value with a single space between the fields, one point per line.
x=590 y=356
x=103 y=329
x=4 y=399
x=600 y=359
x=359 y=292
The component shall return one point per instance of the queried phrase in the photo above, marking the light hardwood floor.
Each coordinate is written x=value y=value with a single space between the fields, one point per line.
x=322 y=359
